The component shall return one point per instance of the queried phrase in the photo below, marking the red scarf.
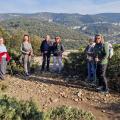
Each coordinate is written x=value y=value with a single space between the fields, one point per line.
x=7 y=56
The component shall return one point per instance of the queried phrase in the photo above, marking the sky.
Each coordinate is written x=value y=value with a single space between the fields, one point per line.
x=60 y=6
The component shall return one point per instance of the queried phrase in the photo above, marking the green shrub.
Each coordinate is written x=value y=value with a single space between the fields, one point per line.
x=114 y=63
x=14 y=66
x=10 y=109
x=113 y=71
x=75 y=64
x=68 y=113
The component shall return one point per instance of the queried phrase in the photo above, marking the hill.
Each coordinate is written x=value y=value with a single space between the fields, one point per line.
x=67 y=19
x=40 y=28
x=69 y=26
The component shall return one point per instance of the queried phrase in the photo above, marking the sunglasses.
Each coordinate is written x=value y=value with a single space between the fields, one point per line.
x=98 y=38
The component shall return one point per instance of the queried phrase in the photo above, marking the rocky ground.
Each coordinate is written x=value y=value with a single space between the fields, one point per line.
x=50 y=90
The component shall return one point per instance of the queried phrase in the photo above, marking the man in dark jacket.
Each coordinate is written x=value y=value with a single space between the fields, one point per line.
x=45 y=49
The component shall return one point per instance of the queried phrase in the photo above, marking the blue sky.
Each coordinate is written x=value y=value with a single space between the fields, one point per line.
x=58 y=6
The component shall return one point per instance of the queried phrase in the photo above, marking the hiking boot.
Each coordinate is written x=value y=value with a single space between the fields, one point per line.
x=27 y=74
x=48 y=70
x=100 y=88
x=42 y=70
x=105 y=91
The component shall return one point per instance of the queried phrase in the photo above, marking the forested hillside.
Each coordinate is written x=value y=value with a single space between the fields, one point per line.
x=68 y=26
x=38 y=29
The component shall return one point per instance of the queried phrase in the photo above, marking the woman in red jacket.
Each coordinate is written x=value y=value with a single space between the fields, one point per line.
x=4 y=57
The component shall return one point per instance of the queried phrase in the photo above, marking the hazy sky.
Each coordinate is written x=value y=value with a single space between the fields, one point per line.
x=64 y=6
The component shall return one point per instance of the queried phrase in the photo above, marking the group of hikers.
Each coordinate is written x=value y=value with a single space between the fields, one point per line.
x=46 y=48
x=97 y=54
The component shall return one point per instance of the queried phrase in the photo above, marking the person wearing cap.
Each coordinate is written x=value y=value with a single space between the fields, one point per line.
x=90 y=60
x=58 y=50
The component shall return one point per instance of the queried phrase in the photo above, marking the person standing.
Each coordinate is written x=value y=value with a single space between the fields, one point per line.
x=27 y=53
x=58 y=49
x=45 y=49
x=101 y=54
x=4 y=58
x=90 y=60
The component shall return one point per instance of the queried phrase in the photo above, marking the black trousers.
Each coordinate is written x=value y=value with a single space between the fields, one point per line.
x=46 y=58
x=101 y=75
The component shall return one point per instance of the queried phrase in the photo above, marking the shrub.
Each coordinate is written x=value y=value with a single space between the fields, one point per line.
x=114 y=69
x=14 y=66
x=10 y=109
x=68 y=113
x=114 y=63
x=75 y=64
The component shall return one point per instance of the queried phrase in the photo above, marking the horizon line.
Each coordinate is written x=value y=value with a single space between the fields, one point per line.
x=58 y=13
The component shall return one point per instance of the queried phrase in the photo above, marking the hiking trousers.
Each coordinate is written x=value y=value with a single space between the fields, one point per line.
x=57 y=63
x=3 y=66
x=46 y=59
x=101 y=75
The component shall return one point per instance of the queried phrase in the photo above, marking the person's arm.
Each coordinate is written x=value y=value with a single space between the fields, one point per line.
x=31 y=50
x=62 y=48
x=106 y=49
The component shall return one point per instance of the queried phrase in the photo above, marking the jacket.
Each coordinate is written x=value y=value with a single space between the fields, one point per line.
x=58 y=49
x=101 y=51
x=45 y=46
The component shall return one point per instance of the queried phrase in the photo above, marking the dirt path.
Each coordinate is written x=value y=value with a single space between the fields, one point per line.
x=51 y=90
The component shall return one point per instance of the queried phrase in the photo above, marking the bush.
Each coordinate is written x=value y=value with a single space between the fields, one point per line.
x=114 y=63
x=14 y=66
x=75 y=64
x=10 y=109
x=68 y=113
x=114 y=69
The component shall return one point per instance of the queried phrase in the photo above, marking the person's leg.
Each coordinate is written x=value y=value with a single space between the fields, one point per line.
x=54 y=63
x=98 y=76
x=2 y=71
x=60 y=63
x=103 y=78
x=43 y=62
x=29 y=64
x=3 y=66
x=48 y=61
x=93 y=72
x=88 y=68
x=26 y=64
